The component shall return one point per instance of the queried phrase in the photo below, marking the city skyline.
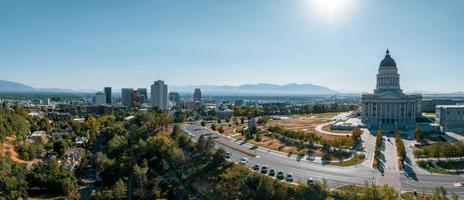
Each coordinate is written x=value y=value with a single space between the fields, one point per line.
x=88 y=46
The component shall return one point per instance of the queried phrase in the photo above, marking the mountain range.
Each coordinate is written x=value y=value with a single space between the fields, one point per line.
x=247 y=89
x=258 y=89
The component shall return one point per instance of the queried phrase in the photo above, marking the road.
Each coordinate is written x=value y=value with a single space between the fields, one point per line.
x=335 y=176
x=86 y=191
x=389 y=163
x=302 y=170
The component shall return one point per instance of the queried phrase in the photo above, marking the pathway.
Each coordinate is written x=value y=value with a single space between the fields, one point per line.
x=389 y=164
x=455 y=136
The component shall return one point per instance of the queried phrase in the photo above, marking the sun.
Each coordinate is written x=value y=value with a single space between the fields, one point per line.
x=332 y=9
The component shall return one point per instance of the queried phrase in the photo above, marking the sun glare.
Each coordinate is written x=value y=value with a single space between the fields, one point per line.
x=332 y=9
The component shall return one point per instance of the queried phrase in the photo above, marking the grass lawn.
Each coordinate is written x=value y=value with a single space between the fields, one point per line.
x=355 y=188
x=358 y=159
x=454 y=165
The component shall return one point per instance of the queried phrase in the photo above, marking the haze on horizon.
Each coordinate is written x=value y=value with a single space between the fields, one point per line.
x=334 y=43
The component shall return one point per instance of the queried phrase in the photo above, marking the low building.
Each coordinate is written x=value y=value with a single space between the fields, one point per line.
x=450 y=117
x=71 y=159
x=224 y=112
x=99 y=109
x=37 y=137
x=429 y=105
x=80 y=140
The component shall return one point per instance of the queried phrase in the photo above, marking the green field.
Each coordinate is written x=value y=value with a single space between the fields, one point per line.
x=358 y=159
x=442 y=167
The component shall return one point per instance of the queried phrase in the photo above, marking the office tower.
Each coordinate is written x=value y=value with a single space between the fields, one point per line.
x=142 y=93
x=108 y=94
x=174 y=97
x=127 y=97
x=100 y=98
x=159 y=95
x=197 y=95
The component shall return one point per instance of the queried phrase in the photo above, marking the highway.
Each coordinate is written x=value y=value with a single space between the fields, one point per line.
x=335 y=175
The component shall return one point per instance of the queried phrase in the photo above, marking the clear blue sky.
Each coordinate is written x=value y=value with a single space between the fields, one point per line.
x=89 y=44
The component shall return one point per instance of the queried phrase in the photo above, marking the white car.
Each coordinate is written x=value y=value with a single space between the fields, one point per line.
x=459 y=184
x=243 y=161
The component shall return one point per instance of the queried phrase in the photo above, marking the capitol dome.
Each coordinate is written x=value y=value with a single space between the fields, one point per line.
x=388 y=61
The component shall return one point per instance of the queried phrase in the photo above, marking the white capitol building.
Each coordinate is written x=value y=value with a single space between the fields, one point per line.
x=388 y=107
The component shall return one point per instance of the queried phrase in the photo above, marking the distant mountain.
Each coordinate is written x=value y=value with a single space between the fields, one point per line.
x=258 y=89
x=10 y=86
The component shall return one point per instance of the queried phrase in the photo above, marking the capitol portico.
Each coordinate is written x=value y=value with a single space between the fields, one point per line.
x=388 y=107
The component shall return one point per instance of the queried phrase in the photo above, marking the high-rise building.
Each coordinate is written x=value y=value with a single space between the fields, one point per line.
x=174 y=97
x=108 y=95
x=159 y=95
x=142 y=93
x=100 y=98
x=127 y=97
x=197 y=95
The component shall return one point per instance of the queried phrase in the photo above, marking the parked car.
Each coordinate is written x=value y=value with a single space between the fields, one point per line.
x=264 y=169
x=280 y=175
x=243 y=160
x=311 y=181
x=310 y=157
x=289 y=177
x=256 y=167
x=228 y=155
x=272 y=172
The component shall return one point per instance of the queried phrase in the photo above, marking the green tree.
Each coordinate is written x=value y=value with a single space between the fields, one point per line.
x=119 y=190
x=419 y=134
x=221 y=129
x=213 y=127
x=102 y=162
x=60 y=146
x=141 y=175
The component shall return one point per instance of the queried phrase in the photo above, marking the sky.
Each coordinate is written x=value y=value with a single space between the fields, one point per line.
x=90 y=44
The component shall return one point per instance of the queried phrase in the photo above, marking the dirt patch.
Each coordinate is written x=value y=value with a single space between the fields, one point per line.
x=306 y=124
x=8 y=149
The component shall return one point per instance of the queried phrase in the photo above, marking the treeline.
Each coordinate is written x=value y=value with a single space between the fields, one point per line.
x=378 y=148
x=299 y=135
x=441 y=150
x=13 y=121
x=286 y=109
x=48 y=177
x=400 y=149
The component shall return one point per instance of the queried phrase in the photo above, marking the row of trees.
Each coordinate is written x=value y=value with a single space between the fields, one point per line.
x=441 y=150
x=400 y=149
x=299 y=135
x=285 y=109
x=378 y=148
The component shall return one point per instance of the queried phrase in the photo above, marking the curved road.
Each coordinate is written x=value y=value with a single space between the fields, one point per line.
x=335 y=176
